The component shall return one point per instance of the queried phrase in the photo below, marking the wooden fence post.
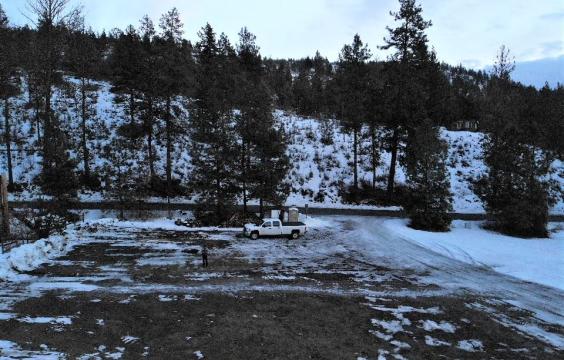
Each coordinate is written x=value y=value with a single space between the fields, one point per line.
x=5 y=209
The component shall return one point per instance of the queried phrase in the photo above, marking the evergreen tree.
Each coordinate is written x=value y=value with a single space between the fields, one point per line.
x=410 y=43
x=120 y=172
x=212 y=137
x=281 y=84
x=377 y=109
x=263 y=160
x=302 y=94
x=352 y=82
x=515 y=191
x=83 y=58
x=148 y=86
x=49 y=45
x=3 y=19
x=430 y=200
x=321 y=71
x=9 y=86
x=172 y=80
x=58 y=177
x=126 y=64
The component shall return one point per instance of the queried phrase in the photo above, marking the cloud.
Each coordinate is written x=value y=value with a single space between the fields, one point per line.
x=552 y=48
x=555 y=16
x=472 y=63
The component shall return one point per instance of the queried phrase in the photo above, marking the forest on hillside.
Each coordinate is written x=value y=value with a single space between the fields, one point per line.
x=219 y=98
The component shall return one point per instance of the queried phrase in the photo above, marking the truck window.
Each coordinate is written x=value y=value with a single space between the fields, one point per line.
x=276 y=223
x=267 y=224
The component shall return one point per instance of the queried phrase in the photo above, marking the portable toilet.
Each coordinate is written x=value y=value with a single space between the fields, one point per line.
x=274 y=214
x=293 y=215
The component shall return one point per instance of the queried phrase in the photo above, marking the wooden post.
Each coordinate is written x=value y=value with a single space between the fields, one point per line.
x=5 y=210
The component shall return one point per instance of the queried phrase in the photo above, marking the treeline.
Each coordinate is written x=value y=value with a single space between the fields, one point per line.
x=235 y=147
x=237 y=150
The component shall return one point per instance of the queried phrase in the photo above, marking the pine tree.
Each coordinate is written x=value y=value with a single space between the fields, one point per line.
x=263 y=151
x=172 y=79
x=410 y=42
x=281 y=84
x=9 y=86
x=302 y=94
x=352 y=82
x=3 y=19
x=250 y=64
x=126 y=63
x=321 y=70
x=430 y=200
x=122 y=180
x=212 y=137
x=514 y=190
x=148 y=86
x=49 y=45
x=83 y=58
x=377 y=112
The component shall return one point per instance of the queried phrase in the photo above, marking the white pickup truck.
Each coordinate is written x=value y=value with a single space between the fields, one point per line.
x=275 y=228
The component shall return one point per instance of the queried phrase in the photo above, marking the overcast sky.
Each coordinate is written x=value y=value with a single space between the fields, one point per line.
x=464 y=31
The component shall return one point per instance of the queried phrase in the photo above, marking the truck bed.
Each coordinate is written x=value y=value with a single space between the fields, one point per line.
x=293 y=224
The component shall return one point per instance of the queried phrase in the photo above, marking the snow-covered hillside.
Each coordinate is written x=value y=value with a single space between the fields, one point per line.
x=322 y=168
x=319 y=168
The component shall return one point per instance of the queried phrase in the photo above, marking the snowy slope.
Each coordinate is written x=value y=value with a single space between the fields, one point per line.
x=536 y=260
x=322 y=168
x=318 y=170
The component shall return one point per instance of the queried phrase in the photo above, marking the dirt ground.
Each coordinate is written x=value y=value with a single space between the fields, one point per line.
x=133 y=293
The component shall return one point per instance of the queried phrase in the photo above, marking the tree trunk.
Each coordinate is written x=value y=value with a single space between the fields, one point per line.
x=8 y=140
x=85 y=152
x=168 y=148
x=132 y=108
x=355 y=163
x=47 y=130
x=244 y=175
x=47 y=121
x=392 y=174
x=374 y=157
x=218 y=197
x=38 y=123
x=150 y=138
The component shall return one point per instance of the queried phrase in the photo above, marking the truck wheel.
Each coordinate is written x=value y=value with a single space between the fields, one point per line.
x=295 y=235
x=254 y=235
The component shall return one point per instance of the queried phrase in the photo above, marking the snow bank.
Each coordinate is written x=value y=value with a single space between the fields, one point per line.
x=11 y=350
x=156 y=224
x=536 y=260
x=29 y=257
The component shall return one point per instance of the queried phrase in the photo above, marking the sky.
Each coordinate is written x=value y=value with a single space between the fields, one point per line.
x=467 y=32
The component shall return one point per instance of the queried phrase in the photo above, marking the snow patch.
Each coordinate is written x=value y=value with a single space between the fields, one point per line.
x=59 y=320
x=470 y=345
x=430 y=325
x=431 y=341
x=11 y=350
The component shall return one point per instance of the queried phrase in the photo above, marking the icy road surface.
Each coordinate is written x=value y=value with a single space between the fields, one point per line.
x=353 y=287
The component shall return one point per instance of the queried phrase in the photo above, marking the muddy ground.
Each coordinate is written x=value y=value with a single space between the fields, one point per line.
x=133 y=293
